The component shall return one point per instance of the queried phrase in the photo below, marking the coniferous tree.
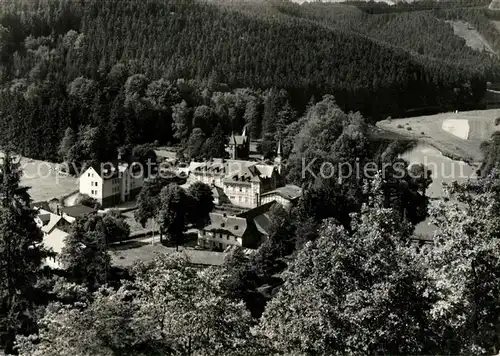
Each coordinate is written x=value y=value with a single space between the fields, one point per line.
x=21 y=255
x=68 y=141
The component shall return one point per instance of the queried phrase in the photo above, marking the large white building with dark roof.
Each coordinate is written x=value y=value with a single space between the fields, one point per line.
x=112 y=184
x=243 y=182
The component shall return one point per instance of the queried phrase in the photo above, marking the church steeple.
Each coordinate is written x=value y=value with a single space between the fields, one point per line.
x=278 y=160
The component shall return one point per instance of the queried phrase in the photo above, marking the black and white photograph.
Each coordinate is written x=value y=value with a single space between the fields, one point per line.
x=249 y=177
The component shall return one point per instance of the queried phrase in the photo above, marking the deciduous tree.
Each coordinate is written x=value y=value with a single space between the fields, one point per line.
x=202 y=203
x=172 y=216
x=353 y=292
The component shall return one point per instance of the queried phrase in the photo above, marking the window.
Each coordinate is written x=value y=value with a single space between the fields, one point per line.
x=96 y=184
x=89 y=174
x=241 y=190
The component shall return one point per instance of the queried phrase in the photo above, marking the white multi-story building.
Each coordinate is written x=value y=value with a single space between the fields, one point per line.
x=112 y=184
x=243 y=182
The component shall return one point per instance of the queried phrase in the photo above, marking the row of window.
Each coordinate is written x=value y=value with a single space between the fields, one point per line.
x=219 y=235
x=241 y=189
x=93 y=192
x=93 y=184
x=240 y=198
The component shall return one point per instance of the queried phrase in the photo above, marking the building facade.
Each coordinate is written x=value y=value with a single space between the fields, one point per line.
x=287 y=195
x=239 y=146
x=243 y=182
x=248 y=229
x=115 y=184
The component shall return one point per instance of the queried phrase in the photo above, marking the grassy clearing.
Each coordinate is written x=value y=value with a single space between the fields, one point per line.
x=481 y=126
x=44 y=180
x=472 y=37
x=126 y=254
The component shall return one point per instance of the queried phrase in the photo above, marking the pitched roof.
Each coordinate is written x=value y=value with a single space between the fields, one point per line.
x=217 y=192
x=289 y=191
x=250 y=222
x=54 y=219
x=263 y=223
x=44 y=217
x=77 y=210
x=109 y=171
x=259 y=210
x=233 y=170
x=233 y=225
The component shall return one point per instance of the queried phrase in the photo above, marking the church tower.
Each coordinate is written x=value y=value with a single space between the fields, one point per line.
x=278 y=161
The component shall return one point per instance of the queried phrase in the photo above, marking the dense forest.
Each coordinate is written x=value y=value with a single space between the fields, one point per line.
x=146 y=71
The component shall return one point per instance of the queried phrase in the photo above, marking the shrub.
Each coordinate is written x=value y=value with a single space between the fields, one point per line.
x=422 y=133
x=400 y=126
x=497 y=121
x=86 y=200
x=408 y=128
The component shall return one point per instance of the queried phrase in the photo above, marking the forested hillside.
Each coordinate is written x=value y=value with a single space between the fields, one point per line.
x=138 y=71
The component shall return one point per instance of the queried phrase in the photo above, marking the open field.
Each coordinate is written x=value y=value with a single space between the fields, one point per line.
x=126 y=254
x=472 y=37
x=44 y=181
x=430 y=129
